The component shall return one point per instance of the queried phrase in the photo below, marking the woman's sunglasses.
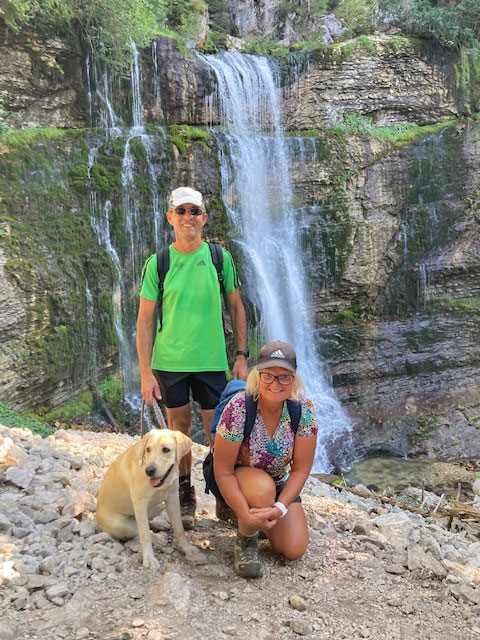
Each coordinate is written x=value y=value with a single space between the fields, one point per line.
x=195 y=211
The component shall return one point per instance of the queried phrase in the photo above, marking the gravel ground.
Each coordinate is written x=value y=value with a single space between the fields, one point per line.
x=369 y=572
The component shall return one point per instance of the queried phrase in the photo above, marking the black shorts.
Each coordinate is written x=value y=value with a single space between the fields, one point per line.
x=206 y=386
x=211 y=483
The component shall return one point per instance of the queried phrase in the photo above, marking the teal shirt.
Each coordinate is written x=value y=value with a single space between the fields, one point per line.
x=192 y=336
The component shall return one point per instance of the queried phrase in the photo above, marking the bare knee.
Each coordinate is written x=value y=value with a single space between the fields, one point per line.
x=294 y=553
x=257 y=487
x=291 y=551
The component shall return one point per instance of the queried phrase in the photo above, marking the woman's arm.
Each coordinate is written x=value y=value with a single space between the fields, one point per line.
x=224 y=458
x=303 y=455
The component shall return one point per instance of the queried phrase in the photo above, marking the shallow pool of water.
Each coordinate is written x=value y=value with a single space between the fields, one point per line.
x=394 y=474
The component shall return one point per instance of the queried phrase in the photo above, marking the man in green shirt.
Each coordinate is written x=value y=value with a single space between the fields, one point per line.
x=188 y=353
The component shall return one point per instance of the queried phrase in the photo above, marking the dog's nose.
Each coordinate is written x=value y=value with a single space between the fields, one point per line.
x=150 y=470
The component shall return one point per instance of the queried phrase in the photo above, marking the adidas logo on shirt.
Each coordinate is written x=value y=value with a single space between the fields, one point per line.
x=202 y=263
x=277 y=354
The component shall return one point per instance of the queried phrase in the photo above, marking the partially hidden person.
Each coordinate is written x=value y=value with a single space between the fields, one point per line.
x=188 y=352
x=260 y=475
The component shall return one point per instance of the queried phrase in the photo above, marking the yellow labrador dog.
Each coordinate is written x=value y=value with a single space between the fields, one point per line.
x=135 y=487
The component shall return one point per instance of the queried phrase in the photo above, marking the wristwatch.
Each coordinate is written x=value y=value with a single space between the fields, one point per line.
x=246 y=353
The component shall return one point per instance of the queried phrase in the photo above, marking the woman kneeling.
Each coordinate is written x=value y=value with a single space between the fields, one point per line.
x=260 y=476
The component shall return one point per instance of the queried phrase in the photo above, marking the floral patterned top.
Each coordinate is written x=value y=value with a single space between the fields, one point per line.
x=273 y=455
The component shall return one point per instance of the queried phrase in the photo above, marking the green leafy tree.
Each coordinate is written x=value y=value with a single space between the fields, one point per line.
x=452 y=23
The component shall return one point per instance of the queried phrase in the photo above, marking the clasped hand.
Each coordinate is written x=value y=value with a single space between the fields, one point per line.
x=265 y=517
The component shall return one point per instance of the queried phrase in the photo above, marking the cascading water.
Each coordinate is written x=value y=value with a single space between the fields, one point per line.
x=127 y=259
x=257 y=194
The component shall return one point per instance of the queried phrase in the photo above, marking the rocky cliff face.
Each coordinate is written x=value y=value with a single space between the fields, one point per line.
x=388 y=226
x=41 y=81
x=391 y=79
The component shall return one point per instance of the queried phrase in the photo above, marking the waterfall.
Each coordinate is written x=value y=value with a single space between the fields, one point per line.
x=156 y=82
x=127 y=257
x=137 y=102
x=257 y=193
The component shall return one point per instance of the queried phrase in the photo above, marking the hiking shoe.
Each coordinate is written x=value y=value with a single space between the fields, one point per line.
x=188 y=505
x=224 y=512
x=247 y=563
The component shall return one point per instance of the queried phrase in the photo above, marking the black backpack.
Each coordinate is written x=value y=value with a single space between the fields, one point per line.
x=163 y=265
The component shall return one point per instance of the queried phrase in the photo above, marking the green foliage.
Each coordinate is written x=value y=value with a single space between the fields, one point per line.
x=305 y=10
x=107 y=28
x=400 y=133
x=356 y=16
x=11 y=418
x=265 y=45
x=24 y=138
x=111 y=390
x=467 y=75
x=452 y=23
x=362 y=43
x=341 y=481
x=78 y=406
x=347 y=316
x=214 y=43
x=219 y=16
x=183 y=135
x=3 y=124
x=469 y=305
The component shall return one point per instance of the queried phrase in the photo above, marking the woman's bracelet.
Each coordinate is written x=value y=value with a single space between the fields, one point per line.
x=282 y=508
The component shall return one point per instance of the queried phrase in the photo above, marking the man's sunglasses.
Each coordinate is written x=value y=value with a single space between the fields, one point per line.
x=195 y=211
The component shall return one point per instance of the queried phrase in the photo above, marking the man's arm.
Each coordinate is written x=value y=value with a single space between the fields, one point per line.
x=239 y=326
x=146 y=314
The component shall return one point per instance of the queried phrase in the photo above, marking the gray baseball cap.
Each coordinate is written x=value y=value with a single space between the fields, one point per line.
x=277 y=354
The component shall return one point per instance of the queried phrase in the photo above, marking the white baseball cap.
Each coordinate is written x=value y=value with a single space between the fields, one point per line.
x=184 y=195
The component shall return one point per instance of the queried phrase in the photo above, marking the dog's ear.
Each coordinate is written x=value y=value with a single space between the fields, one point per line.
x=141 y=446
x=184 y=444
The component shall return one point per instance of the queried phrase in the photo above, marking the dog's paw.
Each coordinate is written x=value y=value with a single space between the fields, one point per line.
x=194 y=556
x=150 y=562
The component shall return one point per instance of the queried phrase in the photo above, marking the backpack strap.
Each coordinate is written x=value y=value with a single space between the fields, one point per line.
x=294 y=410
x=163 y=265
x=250 y=414
x=217 y=258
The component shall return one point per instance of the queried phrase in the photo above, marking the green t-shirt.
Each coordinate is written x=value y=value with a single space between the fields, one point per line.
x=192 y=337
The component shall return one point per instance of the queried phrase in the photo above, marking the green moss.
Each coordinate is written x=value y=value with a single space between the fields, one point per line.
x=467 y=77
x=49 y=248
x=346 y=316
x=78 y=406
x=182 y=136
x=111 y=390
x=398 y=44
x=138 y=149
x=426 y=426
x=468 y=305
x=399 y=134
x=24 y=138
x=265 y=45
x=11 y=418
x=362 y=43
